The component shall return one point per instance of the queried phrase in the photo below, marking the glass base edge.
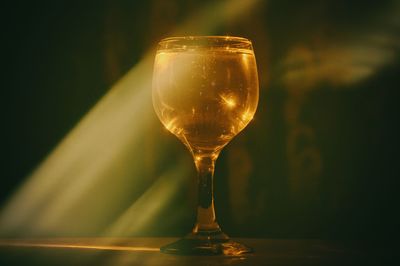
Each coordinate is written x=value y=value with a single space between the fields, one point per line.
x=206 y=247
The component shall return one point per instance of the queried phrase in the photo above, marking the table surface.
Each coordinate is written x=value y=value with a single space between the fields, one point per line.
x=145 y=251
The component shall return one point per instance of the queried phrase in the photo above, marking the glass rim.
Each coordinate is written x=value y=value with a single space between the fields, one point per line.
x=184 y=42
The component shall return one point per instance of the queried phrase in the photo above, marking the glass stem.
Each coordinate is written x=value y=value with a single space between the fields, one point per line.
x=206 y=220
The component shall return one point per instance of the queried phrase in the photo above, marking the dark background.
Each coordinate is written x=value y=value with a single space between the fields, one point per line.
x=320 y=159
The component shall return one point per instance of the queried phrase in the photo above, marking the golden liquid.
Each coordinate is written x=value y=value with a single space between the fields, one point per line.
x=205 y=96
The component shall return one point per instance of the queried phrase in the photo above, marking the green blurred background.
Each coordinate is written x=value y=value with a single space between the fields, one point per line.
x=319 y=160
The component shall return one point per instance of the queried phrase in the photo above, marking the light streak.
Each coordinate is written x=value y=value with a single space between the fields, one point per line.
x=87 y=180
x=77 y=246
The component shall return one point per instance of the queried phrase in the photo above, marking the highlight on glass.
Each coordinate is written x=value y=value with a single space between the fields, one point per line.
x=205 y=91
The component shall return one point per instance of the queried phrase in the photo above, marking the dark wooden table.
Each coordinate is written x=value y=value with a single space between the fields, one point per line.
x=145 y=251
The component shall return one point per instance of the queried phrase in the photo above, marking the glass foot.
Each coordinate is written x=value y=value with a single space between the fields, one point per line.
x=199 y=246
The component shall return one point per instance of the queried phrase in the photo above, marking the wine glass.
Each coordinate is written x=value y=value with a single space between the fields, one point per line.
x=205 y=91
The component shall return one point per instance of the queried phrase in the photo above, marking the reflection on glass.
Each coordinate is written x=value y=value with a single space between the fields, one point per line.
x=205 y=91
